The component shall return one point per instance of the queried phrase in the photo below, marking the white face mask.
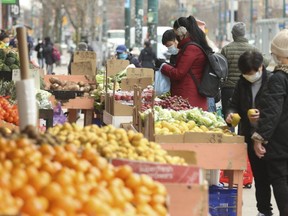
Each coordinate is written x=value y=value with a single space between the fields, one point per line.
x=173 y=50
x=7 y=44
x=253 y=78
x=275 y=59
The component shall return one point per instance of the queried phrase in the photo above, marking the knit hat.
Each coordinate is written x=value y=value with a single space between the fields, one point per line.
x=279 y=44
x=238 y=29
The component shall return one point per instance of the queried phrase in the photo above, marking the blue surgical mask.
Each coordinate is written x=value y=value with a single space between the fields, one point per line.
x=253 y=78
x=173 y=50
x=123 y=56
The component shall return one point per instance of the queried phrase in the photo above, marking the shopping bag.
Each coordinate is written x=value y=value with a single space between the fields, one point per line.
x=58 y=115
x=161 y=84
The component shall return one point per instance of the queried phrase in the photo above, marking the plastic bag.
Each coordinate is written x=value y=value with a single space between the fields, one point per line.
x=161 y=84
x=58 y=116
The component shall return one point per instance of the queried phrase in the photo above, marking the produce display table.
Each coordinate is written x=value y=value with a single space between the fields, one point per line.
x=85 y=103
x=47 y=115
x=231 y=157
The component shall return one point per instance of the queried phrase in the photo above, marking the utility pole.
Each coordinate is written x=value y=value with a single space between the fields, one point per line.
x=138 y=22
x=220 y=24
x=153 y=22
x=284 y=8
x=251 y=18
x=127 y=22
x=266 y=9
x=225 y=18
x=232 y=13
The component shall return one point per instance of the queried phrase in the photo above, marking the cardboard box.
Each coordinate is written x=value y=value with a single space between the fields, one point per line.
x=116 y=121
x=187 y=200
x=198 y=137
x=164 y=173
x=128 y=84
x=114 y=66
x=140 y=73
x=84 y=63
x=116 y=108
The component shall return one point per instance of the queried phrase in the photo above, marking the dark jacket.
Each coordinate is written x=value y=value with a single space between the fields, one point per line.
x=181 y=81
x=241 y=102
x=232 y=52
x=133 y=60
x=39 y=50
x=47 y=53
x=147 y=57
x=273 y=122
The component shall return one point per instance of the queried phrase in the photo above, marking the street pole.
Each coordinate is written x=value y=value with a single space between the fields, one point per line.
x=284 y=8
x=225 y=18
x=153 y=22
x=138 y=22
x=266 y=9
x=251 y=18
x=220 y=24
x=232 y=13
x=127 y=22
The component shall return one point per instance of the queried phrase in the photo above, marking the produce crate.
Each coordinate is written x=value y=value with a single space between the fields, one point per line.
x=222 y=201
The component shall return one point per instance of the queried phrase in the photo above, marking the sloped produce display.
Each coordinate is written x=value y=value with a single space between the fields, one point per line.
x=113 y=142
x=66 y=180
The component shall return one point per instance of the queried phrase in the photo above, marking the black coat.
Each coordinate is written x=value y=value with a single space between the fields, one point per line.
x=47 y=53
x=273 y=122
x=147 y=57
x=39 y=50
x=241 y=102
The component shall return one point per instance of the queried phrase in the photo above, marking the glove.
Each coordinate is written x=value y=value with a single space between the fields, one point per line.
x=159 y=62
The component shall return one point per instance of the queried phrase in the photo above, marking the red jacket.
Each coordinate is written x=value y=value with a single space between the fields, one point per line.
x=181 y=81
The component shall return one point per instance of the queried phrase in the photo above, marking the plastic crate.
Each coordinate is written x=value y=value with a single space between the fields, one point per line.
x=222 y=201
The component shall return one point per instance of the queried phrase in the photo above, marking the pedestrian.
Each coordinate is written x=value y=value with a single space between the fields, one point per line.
x=147 y=56
x=247 y=93
x=270 y=137
x=189 y=58
x=82 y=46
x=169 y=40
x=48 y=55
x=122 y=53
x=39 y=50
x=4 y=39
x=232 y=52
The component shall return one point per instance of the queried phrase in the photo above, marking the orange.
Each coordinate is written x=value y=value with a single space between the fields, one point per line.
x=133 y=181
x=160 y=209
x=47 y=150
x=27 y=191
x=67 y=203
x=89 y=154
x=57 y=212
x=123 y=172
x=40 y=181
x=71 y=148
x=52 y=191
x=63 y=178
x=147 y=181
x=94 y=206
x=34 y=205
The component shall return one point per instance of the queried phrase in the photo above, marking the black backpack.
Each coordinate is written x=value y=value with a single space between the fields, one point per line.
x=214 y=74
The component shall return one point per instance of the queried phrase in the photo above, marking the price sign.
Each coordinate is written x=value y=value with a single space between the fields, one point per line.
x=114 y=66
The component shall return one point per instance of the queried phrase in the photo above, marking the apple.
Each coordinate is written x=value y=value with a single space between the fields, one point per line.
x=235 y=119
x=252 y=112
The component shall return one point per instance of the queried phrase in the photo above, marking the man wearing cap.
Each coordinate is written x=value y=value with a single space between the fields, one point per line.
x=122 y=53
x=232 y=52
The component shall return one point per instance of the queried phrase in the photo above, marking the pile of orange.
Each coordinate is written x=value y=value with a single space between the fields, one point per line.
x=61 y=180
x=8 y=112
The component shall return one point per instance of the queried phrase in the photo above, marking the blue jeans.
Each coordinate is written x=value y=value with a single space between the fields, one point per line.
x=211 y=105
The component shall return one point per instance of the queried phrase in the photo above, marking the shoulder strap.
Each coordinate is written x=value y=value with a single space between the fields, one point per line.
x=190 y=71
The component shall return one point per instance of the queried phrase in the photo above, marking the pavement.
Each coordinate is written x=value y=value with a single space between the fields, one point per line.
x=249 y=202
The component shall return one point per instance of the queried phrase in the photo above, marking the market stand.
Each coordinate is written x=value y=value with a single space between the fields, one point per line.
x=85 y=103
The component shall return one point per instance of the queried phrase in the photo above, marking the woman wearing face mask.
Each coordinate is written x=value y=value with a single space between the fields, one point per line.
x=4 y=39
x=247 y=94
x=169 y=40
x=271 y=135
x=189 y=57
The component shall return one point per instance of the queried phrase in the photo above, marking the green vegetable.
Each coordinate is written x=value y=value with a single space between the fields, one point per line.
x=10 y=61
x=5 y=68
x=14 y=66
x=2 y=55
